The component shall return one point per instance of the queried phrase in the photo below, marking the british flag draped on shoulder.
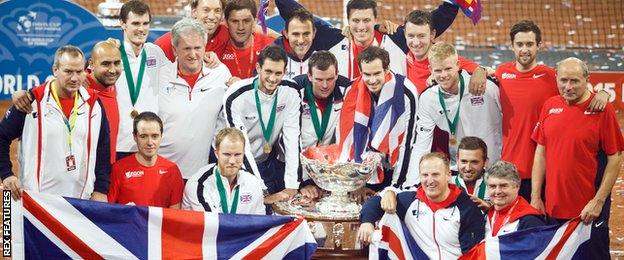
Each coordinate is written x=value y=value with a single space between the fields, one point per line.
x=52 y=227
x=381 y=126
x=548 y=242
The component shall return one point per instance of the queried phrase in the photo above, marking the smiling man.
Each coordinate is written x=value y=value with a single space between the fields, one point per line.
x=440 y=216
x=189 y=91
x=509 y=212
x=137 y=87
x=267 y=109
x=471 y=161
x=449 y=106
x=569 y=163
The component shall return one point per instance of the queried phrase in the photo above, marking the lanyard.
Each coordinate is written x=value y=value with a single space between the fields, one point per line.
x=251 y=57
x=71 y=122
x=132 y=88
x=268 y=129
x=224 y=204
x=481 y=188
x=452 y=125
x=504 y=221
x=319 y=128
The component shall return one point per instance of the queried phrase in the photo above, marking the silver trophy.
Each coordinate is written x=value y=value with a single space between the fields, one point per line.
x=338 y=179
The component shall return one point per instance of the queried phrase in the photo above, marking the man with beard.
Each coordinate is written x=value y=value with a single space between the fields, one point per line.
x=105 y=66
x=471 y=161
x=524 y=87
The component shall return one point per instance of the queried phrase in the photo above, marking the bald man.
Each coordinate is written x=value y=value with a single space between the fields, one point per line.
x=105 y=68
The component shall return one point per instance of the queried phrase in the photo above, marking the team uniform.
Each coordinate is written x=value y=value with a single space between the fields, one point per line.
x=160 y=185
x=47 y=162
x=573 y=138
x=242 y=62
x=346 y=51
x=358 y=131
x=147 y=99
x=518 y=215
x=201 y=192
x=443 y=230
x=108 y=99
x=241 y=112
x=190 y=112
x=479 y=189
x=215 y=44
x=479 y=116
x=522 y=95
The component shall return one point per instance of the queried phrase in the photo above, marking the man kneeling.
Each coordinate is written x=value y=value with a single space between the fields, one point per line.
x=225 y=187
x=443 y=220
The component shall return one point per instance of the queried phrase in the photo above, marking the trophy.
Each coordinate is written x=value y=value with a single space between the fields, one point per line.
x=334 y=218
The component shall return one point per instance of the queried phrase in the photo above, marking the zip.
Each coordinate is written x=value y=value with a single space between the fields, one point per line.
x=434 y=236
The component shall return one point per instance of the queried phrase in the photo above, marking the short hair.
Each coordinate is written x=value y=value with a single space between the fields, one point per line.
x=503 y=170
x=70 y=50
x=420 y=17
x=187 y=26
x=526 y=26
x=361 y=5
x=441 y=51
x=371 y=53
x=195 y=3
x=137 y=7
x=473 y=143
x=231 y=132
x=274 y=53
x=236 y=5
x=581 y=63
x=435 y=155
x=146 y=116
x=322 y=60
x=302 y=15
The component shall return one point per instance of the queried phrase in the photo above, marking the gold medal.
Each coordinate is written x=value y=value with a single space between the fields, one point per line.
x=452 y=140
x=134 y=113
x=266 y=148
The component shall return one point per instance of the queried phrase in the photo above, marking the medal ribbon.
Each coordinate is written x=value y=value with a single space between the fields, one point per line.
x=504 y=220
x=71 y=122
x=132 y=88
x=319 y=128
x=266 y=130
x=452 y=125
x=481 y=193
x=221 y=188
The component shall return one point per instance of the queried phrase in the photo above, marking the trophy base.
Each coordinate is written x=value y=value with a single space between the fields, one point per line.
x=335 y=233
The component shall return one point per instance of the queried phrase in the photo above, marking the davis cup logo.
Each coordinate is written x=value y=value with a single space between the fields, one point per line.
x=25 y=22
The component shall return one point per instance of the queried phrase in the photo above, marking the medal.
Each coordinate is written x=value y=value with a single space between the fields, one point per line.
x=134 y=113
x=452 y=140
x=70 y=162
x=268 y=129
x=320 y=126
x=266 y=148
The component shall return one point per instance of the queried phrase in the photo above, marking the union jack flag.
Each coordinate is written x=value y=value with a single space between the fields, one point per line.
x=381 y=126
x=547 y=242
x=52 y=227
x=471 y=8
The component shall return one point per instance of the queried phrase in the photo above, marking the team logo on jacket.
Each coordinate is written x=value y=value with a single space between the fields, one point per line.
x=508 y=75
x=280 y=107
x=476 y=101
x=150 y=62
x=132 y=174
x=555 y=110
x=250 y=117
x=228 y=56
x=245 y=198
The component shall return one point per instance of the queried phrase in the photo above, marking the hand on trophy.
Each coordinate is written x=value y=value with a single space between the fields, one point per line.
x=360 y=195
x=365 y=233
x=310 y=191
x=388 y=202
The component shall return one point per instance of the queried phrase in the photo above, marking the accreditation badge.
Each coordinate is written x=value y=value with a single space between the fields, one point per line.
x=70 y=162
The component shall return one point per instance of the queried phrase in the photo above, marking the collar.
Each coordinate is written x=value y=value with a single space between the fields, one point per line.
x=452 y=197
x=523 y=208
x=96 y=85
